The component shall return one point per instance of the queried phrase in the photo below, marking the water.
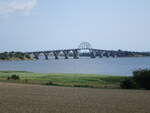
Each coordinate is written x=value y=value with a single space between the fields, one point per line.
x=110 y=66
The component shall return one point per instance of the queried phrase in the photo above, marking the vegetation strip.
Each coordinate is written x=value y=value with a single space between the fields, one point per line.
x=71 y=80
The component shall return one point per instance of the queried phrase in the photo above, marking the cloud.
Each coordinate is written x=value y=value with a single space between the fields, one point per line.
x=12 y=6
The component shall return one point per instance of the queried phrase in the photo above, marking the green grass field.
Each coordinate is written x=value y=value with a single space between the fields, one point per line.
x=71 y=80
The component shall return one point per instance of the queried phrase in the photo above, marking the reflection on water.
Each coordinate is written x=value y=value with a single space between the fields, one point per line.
x=111 y=66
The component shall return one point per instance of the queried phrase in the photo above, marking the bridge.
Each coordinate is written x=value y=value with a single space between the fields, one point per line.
x=75 y=53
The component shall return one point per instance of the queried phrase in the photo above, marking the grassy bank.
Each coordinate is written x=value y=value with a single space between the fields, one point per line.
x=72 y=80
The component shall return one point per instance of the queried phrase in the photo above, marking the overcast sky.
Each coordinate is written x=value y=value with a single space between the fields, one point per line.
x=28 y=25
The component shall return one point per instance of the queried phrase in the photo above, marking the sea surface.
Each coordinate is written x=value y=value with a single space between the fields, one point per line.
x=108 y=66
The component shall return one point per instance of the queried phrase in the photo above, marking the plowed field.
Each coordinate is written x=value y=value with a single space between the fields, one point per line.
x=21 y=98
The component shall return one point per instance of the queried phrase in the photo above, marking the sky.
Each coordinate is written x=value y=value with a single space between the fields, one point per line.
x=32 y=25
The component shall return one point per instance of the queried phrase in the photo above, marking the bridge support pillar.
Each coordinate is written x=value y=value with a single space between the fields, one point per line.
x=106 y=54
x=36 y=56
x=119 y=54
x=46 y=56
x=56 y=53
x=75 y=54
x=66 y=54
x=112 y=54
x=93 y=54
x=100 y=54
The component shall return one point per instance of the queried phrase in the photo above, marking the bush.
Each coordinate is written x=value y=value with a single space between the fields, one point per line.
x=15 y=77
x=8 y=78
x=79 y=85
x=128 y=83
x=50 y=83
x=142 y=78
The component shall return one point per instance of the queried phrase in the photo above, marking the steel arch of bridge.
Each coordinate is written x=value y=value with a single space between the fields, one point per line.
x=84 y=45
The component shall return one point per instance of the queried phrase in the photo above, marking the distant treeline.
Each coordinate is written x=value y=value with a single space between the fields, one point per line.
x=14 y=56
x=123 y=54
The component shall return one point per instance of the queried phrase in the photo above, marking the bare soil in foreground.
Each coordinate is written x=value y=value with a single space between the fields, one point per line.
x=21 y=98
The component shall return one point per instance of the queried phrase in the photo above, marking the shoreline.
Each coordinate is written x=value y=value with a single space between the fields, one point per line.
x=32 y=59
